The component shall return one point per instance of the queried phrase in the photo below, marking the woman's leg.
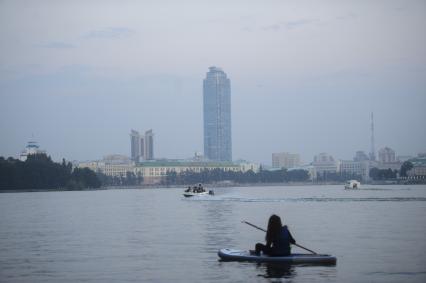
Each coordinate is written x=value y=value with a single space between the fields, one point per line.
x=262 y=248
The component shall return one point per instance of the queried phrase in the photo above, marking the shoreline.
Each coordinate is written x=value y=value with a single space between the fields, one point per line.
x=212 y=185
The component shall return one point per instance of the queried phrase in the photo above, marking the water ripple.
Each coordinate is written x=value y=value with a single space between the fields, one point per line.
x=313 y=199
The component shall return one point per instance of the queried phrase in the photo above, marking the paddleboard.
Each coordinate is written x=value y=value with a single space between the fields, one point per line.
x=241 y=255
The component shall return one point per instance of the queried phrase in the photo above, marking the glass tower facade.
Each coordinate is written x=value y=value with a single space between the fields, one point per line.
x=149 y=145
x=135 y=148
x=217 y=115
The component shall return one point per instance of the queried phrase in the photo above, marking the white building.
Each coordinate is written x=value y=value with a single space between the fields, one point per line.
x=285 y=160
x=31 y=148
x=247 y=166
x=361 y=168
x=325 y=163
x=386 y=155
x=396 y=165
x=111 y=165
x=418 y=171
x=153 y=171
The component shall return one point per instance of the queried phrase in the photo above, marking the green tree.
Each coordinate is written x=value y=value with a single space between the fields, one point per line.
x=39 y=172
x=85 y=178
x=405 y=167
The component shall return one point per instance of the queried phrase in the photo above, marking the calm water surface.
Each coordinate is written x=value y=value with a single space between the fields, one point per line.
x=377 y=234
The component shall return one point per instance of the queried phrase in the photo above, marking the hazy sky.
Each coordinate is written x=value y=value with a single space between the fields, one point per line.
x=305 y=75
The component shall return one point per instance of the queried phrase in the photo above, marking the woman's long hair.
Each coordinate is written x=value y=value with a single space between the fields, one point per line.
x=274 y=228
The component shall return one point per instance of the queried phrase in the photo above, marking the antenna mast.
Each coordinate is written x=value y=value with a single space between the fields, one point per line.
x=372 y=151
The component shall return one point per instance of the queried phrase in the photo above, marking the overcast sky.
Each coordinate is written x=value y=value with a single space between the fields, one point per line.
x=305 y=75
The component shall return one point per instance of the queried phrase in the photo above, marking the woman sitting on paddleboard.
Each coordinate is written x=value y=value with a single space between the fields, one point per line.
x=278 y=239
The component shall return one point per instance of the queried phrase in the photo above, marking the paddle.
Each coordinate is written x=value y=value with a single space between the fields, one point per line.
x=261 y=229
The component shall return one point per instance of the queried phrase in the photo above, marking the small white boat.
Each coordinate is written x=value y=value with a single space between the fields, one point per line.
x=352 y=184
x=197 y=191
x=192 y=194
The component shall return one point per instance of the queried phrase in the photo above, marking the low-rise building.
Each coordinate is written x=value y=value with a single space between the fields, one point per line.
x=325 y=163
x=154 y=171
x=285 y=160
x=248 y=166
x=419 y=167
x=361 y=168
x=111 y=165
x=386 y=155
x=92 y=165
x=396 y=165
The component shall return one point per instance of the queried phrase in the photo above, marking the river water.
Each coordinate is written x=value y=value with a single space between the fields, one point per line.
x=377 y=233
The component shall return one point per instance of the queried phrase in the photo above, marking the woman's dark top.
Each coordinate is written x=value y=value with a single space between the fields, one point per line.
x=280 y=246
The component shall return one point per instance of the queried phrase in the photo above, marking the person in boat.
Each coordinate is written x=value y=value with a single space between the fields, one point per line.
x=278 y=239
x=188 y=190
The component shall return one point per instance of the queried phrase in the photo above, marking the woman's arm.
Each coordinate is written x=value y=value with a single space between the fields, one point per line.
x=291 y=239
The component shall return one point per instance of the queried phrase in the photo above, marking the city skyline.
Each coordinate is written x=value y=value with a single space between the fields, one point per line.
x=305 y=76
x=144 y=151
x=145 y=148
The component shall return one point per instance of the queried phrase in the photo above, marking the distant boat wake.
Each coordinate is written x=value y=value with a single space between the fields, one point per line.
x=309 y=199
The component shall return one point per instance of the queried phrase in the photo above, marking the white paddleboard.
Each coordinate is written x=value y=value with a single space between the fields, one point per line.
x=241 y=255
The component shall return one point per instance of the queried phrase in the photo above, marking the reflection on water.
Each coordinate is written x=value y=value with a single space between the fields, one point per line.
x=218 y=232
x=276 y=270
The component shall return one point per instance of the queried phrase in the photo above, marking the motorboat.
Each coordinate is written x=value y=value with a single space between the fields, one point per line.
x=352 y=184
x=197 y=191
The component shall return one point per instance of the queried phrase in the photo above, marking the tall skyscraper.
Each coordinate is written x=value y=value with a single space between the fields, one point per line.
x=135 y=146
x=217 y=115
x=141 y=146
x=149 y=145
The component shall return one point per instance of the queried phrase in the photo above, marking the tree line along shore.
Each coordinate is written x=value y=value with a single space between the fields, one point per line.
x=40 y=173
